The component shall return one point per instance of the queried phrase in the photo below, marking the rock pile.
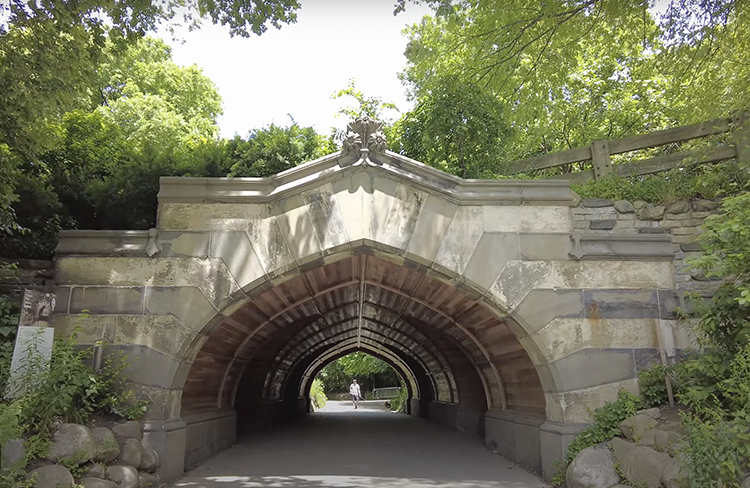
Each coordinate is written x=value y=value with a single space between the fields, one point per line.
x=106 y=458
x=647 y=455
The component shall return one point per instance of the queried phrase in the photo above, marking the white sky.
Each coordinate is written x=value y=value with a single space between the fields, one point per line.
x=295 y=70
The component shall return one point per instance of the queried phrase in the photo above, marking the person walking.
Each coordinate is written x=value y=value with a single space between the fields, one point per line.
x=354 y=392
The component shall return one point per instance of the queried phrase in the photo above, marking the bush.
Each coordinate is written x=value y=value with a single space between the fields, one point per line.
x=398 y=403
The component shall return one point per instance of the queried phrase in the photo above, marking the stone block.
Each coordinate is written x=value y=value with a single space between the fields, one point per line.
x=593 y=367
x=526 y=219
x=402 y=217
x=235 y=250
x=326 y=218
x=597 y=202
x=545 y=246
x=183 y=244
x=621 y=304
x=167 y=438
x=602 y=224
x=691 y=246
x=490 y=256
x=650 y=212
x=146 y=366
x=678 y=207
x=514 y=436
x=624 y=206
x=701 y=205
x=430 y=229
x=107 y=300
x=540 y=307
x=163 y=333
x=578 y=405
x=653 y=230
x=186 y=303
x=461 y=239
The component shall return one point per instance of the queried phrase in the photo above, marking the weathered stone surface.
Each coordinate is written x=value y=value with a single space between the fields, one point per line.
x=673 y=475
x=675 y=448
x=703 y=205
x=148 y=480
x=639 y=204
x=12 y=454
x=636 y=426
x=644 y=466
x=95 y=470
x=72 y=442
x=123 y=476
x=654 y=413
x=106 y=447
x=149 y=460
x=624 y=206
x=678 y=207
x=592 y=468
x=653 y=230
x=602 y=224
x=132 y=452
x=52 y=476
x=97 y=483
x=128 y=430
x=597 y=202
x=650 y=212
x=662 y=439
x=698 y=275
x=648 y=439
x=620 y=447
x=746 y=483
x=575 y=199
x=691 y=247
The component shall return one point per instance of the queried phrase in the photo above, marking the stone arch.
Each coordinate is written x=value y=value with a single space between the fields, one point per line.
x=548 y=323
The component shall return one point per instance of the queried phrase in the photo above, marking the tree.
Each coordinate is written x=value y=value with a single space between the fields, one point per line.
x=273 y=149
x=368 y=370
x=51 y=55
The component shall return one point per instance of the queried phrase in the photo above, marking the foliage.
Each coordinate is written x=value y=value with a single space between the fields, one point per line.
x=398 y=403
x=373 y=107
x=456 y=127
x=368 y=370
x=317 y=395
x=606 y=424
x=274 y=149
x=715 y=453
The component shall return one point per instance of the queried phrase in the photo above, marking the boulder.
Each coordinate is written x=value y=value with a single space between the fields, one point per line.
x=97 y=483
x=12 y=454
x=638 y=204
x=675 y=448
x=52 y=476
x=106 y=447
x=624 y=206
x=72 y=443
x=620 y=447
x=654 y=413
x=123 y=476
x=636 y=426
x=648 y=439
x=678 y=207
x=703 y=205
x=662 y=440
x=95 y=470
x=746 y=483
x=673 y=475
x=149 y=460
x=650 y=212
x=128 y=430
x=148 y=480
x=132 y=452
x=644 y=466
x=592 y=468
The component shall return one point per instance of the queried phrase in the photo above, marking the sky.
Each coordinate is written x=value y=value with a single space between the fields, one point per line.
x=295 y=70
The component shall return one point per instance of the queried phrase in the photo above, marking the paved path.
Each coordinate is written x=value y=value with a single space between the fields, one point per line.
x=365 y=448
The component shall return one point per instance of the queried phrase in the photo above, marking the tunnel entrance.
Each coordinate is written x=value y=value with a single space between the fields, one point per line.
x=457 y=357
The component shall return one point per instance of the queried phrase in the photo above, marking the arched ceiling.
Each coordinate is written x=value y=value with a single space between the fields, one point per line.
x=447 y=344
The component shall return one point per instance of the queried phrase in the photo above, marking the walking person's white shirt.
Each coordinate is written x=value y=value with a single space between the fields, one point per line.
x=354 y=391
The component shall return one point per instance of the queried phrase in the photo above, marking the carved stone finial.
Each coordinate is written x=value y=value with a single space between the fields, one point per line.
x=365 y=136
x=577 y=251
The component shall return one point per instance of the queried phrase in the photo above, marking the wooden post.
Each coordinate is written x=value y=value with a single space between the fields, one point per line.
x=600 y=158
x=741 y=136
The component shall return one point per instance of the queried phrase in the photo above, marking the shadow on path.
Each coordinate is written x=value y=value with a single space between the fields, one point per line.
x=368 y=447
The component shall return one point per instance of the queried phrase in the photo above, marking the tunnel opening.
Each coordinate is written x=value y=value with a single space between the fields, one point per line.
x=460 y=360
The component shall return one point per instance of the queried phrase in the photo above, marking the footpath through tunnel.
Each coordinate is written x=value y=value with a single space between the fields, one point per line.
x=364 y=448
x=457 y=358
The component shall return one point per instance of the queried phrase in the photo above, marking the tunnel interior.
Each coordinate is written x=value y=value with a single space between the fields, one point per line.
x=458 y=356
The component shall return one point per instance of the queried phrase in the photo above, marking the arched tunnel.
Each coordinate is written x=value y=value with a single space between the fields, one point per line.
x=457 y=355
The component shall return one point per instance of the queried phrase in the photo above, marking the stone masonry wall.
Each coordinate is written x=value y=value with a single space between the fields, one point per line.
x=683 y=220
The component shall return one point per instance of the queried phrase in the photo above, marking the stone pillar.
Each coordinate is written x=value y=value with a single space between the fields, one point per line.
x=555 y=437
x=167 y=438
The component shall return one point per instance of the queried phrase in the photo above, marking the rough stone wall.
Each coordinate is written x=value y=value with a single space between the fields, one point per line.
x=17 y=275
x=683 y=220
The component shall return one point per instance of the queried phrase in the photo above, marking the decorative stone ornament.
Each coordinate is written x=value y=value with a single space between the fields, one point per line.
x=153 y=246
x=365 y=136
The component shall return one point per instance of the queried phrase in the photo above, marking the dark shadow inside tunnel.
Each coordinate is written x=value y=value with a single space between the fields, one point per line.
x=459 y=359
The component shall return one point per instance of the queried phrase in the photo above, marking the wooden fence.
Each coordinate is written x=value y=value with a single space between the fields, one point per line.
x=600 y=151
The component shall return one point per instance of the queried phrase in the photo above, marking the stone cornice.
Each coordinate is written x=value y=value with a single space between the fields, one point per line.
x=640 y=247
x=388 y=164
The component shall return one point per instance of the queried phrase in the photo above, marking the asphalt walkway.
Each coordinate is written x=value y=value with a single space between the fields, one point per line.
x=369 y=448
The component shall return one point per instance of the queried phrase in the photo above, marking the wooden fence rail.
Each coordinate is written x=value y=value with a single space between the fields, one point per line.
x=600 y=151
